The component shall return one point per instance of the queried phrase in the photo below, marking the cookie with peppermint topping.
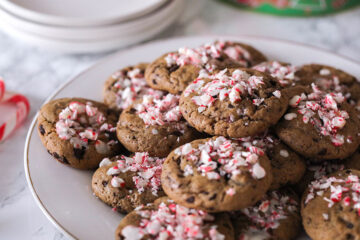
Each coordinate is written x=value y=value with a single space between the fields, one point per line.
x=330 y=79
x=173 y=71
x=125 y=183
x=285 y=73
x=155 y=125
x=287 y=165
x=167 y=220
x=127 y=85
x=330 y=207
x=235 y=102
x=275 y=216
x=320 y=125
x=78 y=132
x=216 y=174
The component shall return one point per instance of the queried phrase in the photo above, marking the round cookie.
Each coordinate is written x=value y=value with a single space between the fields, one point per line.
x=125 y=183
x=168 y=220
x=234 y=103
x=216 y=174
x=330 y=207
x=154 y=125
x=283 y=72
x=173 y=71
x=78 y=132
x=320 y=125
x=276 y=216
x=127 y=85
x=287 y=166
x=330 y=79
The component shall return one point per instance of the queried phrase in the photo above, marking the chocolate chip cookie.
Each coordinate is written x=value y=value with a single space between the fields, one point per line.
x=235 y=103
x=125 y=183
x=168 y=220
x=216 y=174
x=127 y=85
x=78 y=132
x=154 y=125
x=173 y=71
x=276 y=216
x=320 y=125
x=331 y=206
x=287 y=166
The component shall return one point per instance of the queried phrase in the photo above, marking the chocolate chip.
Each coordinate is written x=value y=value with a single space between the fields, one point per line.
x=104 y=183
x=173 y=68
x=349 y=236
x=132 y=110
x=60 y=158
x=348 y=171
x=346 y=223
x=79 y=152
x=322 y=152
x=190 y=199
x=213 y=196
x=41 y=129
x=176 y=133
x=154 y=82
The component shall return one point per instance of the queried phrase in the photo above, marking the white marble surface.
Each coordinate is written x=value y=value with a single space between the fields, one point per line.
x=37 y=73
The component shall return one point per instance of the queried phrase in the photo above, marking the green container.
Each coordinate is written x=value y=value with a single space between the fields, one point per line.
x=295 y=7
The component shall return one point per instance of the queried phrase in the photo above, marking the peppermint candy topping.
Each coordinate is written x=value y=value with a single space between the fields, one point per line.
x=80 y=123
x=147 y=169
x=131 y=86
x=222 y=157
x=173 y=222
x=268 y=213
x=223 y=86
x=158 y=111
x=343 y=191
x=201 y=56
x=284 y=73
x=326 y=107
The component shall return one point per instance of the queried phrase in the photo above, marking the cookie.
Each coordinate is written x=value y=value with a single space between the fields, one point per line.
x=78 y=132
x=330 y=207
x=283 y=72
x=216 y=174
x=275 y=216
x=127 y=85
x=287 y=166
x=173 y=71
x=154 y=125
x=168 y=220
x=125 y=183
x=234 y=103
x=330 y=79
x=320 y=125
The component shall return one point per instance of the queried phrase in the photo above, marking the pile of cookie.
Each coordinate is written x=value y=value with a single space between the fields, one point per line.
x=217 y=142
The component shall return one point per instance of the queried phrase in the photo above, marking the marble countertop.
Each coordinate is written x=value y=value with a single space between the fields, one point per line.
x=36 y=73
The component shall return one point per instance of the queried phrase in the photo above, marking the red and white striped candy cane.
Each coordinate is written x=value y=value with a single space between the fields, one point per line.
x=18 y=116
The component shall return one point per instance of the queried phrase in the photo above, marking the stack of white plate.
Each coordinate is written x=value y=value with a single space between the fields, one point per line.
x=83 y=26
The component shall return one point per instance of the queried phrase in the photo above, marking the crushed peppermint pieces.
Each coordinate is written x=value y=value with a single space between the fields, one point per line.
x=173 y=221
x=202 y=56
x=131 y=85
x=158 y=111
x=343 y=191
x=147 y=169
x=222 y=157
x=223 y=85
x=326 y=107
x=80 y=123
x=284 y=73
x=268 y=213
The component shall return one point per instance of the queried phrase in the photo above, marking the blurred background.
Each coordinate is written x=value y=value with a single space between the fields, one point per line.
x=43 y=44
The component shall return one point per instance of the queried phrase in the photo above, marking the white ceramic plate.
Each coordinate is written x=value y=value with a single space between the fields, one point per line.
x=64 y=194
x=144 y=32
x=80 y=12
x=92 y=33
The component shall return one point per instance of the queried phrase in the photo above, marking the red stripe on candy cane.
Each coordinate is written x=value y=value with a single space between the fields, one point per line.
x=2 y=130
x=2 y=88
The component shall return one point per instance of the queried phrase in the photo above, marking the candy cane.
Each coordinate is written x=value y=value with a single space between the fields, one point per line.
x=2 y=88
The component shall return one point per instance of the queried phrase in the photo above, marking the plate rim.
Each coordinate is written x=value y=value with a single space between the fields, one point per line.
x=37 y=199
